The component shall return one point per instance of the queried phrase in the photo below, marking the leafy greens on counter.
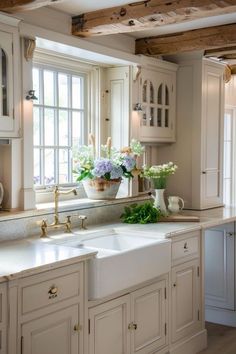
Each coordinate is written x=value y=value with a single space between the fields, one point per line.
x=141 y=214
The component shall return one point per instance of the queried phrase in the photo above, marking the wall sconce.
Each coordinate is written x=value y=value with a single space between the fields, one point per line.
x=138 y=107
x=31 y=95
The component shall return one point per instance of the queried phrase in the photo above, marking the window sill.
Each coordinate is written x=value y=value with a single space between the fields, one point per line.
x=69 y=205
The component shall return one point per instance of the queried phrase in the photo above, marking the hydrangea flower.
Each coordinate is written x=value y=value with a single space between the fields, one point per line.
x=102 y=166
x=128 y=162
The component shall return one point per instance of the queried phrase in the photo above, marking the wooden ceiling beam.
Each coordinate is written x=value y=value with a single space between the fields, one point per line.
x=199 y=39
x=23 y=5
x=223 y=53
x=147 y=14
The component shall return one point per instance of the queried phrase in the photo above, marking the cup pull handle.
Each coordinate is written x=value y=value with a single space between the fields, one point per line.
x=182 y=202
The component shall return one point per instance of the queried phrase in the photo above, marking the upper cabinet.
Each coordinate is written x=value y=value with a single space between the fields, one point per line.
x=157 y=91
x=9 y=81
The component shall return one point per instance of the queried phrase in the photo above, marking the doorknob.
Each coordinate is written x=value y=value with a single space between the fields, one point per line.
x=77 y=327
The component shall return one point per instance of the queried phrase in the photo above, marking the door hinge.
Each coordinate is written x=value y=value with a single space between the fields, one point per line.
x=21 y=344
x=88 y=326
x=165 y=294
x=198 y=315
x=165 y=329
x=198 y=271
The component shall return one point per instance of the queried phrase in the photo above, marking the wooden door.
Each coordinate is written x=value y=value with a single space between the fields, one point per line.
x=185 y=295
x=148 y=318
x=219 y=266
x=108 y=327
x=55 y=333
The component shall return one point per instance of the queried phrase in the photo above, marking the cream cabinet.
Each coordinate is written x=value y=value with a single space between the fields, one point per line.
x=3 y=318
x=185 y=287
x=198 y=151
x=157 y=87
x=50 y=312
x=9 y=81
x=133 y=323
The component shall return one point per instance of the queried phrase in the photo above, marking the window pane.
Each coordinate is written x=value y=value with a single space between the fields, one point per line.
x=49 y=99
x=63 y=90
x=63 y=166
x=63 y=128
x=77 y=130
x=77 y=92
x=36 y=83
x=37 y=166
x=4 y=82
x=49 y=163
x=36 y=126
x=49 y=127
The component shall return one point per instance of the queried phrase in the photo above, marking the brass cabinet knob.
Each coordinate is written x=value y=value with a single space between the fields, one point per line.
x=174 y=285
x=230 y=234
x=77 y=327
x=132 y=326
x=53 y=292
x=185 y=246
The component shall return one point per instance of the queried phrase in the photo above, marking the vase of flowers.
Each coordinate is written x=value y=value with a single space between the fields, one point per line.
x=102 y=174
x=158 y=176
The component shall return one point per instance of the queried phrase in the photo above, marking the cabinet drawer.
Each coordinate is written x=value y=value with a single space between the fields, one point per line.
x=185 y=249
x=51 y=287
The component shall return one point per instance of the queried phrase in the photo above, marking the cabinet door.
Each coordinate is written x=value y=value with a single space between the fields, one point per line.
x=212 y=135
x=158 y=103
x=148 y=318
x=54 y=333
x=3 y=318
x=108 y=333
x=185 y=299
x=219 y=266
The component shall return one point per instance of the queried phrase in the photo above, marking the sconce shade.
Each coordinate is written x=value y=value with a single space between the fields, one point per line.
x=138 y=107
x=31 y=95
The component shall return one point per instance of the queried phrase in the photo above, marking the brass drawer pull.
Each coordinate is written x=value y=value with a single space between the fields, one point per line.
x=77 y=328
x=132 y=326
x=53 y=292
x=185 y=247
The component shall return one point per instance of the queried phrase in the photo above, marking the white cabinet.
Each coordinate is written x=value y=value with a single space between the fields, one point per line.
x=199 y=147
x=186 y=287
x=51 y=312
x=9 y=81
x=158 y=91
x=220 y=267
x=3 y=318
x=54 y=333
x=185 y=300
x=134 y=323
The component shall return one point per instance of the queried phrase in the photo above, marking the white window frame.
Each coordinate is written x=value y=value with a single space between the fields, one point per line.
x=56 y=61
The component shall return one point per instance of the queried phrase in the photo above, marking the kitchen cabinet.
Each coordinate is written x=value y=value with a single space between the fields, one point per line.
x=51 y=312
x=199 y=148
x=220 y=285
x=185 y=287
x=133 y=323
x=9 y=81
x=3 y=318
x=157 y=86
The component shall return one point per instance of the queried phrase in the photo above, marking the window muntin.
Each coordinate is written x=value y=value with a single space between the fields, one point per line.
x=59 y=123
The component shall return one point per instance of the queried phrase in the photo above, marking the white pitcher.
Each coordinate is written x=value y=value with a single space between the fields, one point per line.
x=1 y=194
x=174 y=204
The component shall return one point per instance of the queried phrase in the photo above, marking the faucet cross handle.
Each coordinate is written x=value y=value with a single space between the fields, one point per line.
x=44 y=229
x=68 y=223
x=83 y=218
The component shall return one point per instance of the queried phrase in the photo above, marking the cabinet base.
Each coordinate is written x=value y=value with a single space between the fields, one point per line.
x=221 y=316
x=191 y=345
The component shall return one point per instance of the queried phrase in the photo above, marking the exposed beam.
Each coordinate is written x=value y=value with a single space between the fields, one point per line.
x=147 y=14
x=23 y=5
x=222 y=53
x=199 y=39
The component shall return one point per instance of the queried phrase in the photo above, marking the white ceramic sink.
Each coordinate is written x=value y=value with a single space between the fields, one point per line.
x=124 y=259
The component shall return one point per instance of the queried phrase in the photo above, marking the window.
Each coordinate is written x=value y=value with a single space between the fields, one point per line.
x=59 y=123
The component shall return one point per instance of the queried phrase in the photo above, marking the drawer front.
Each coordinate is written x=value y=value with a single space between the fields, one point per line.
x=47 y=291
x=185 y=249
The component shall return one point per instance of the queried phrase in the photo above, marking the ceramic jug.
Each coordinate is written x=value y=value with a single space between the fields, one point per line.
x=1 y=194
x=174 y=204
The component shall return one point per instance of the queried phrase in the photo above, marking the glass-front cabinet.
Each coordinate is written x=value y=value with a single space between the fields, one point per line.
x=157 y=91
x=9 y=82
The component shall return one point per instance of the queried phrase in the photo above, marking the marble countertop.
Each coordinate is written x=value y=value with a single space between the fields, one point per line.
x=26 y=257
x=30 y=256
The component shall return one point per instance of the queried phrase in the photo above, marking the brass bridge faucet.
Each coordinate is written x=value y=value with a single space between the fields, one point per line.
x=56 y=223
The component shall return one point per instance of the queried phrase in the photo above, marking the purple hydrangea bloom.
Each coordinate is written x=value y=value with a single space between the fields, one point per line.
x=129 y=163
x=116 y=172
x=101 y=167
